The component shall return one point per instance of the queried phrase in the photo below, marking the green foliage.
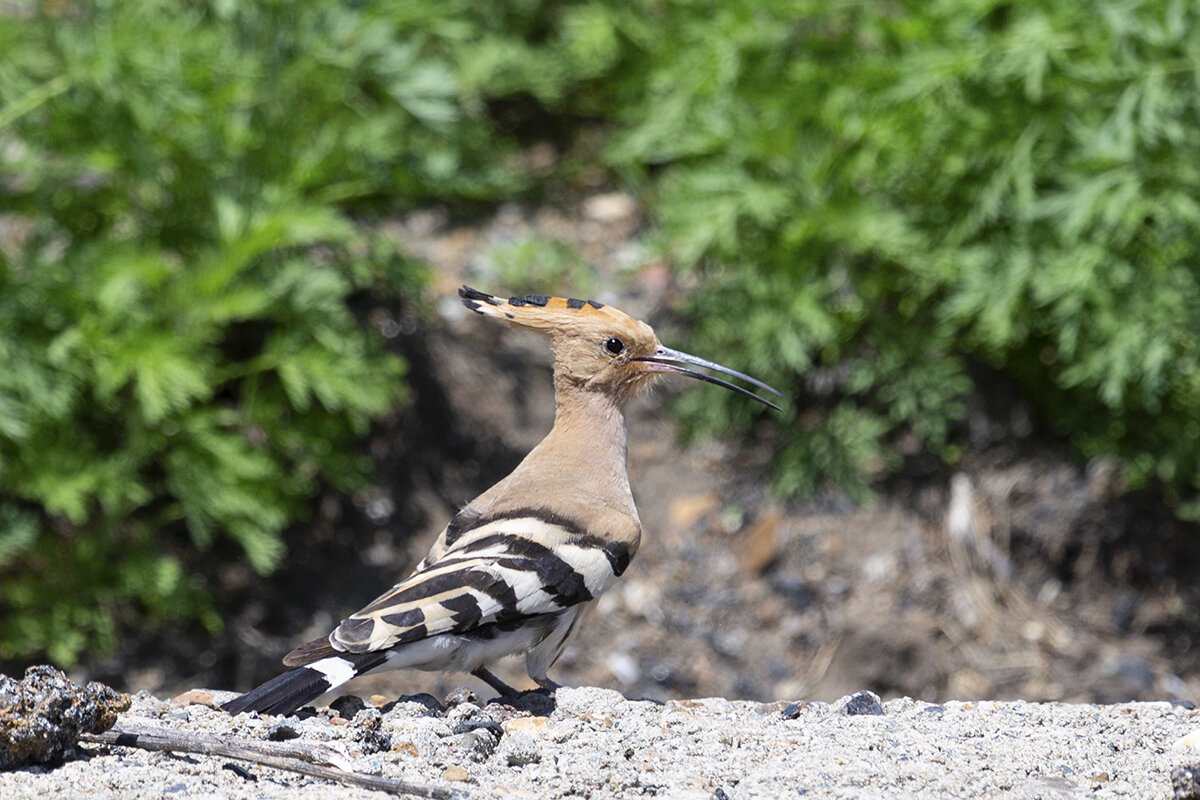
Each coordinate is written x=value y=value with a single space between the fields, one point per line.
x=878 y=195
x=177 y=261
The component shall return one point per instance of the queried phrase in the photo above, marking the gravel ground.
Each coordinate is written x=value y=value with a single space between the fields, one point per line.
x=596 y=743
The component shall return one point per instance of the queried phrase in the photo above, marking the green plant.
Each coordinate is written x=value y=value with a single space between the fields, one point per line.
x=878 y=195
x=180 y=359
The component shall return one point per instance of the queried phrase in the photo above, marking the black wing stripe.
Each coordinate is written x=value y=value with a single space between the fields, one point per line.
x=405 y=619
x=464 y=610
x=548 y=517
x=447 y=580
x=465 y=520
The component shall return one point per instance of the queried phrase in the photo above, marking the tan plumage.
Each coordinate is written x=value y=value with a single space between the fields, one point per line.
x=515 y=569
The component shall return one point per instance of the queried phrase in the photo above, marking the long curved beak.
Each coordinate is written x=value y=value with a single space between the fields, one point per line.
x=667 y=360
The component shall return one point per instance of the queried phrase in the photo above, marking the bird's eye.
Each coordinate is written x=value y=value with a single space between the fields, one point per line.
x=614 y=345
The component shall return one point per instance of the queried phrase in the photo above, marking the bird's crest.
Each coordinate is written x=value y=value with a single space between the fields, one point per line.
x=545 y=314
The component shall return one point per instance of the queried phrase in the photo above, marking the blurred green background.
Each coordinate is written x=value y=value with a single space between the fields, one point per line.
x=885 y=206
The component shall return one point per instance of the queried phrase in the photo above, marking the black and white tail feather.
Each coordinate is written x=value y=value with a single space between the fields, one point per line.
x=285 y=693
x=492 y=586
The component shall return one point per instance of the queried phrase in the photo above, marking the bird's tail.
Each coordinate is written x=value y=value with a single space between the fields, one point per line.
x=285 y=693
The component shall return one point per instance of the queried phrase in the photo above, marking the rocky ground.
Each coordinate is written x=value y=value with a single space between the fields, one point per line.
x=597 y=743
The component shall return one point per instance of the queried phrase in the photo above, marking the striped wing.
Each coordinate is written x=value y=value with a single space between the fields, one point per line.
x=491 y=569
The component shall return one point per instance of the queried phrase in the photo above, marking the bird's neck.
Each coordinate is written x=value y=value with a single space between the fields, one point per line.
x=580 y=465
x=589 y=426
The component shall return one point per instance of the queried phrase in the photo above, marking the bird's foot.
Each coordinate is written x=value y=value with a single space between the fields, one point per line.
x=548 y=686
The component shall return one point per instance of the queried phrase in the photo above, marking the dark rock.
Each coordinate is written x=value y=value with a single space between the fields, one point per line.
x=536 y=702
x=864 y=704
x=239 y=770
x=1185 y=782
x=432 y=705
x=42 y=716
x=792 y=710
x=478 y=737
x=348 y=705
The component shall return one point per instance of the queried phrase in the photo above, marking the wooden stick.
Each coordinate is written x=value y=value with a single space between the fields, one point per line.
x=305 y=759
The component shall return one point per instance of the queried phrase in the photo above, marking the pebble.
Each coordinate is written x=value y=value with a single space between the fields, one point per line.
x=455 y=773
x=864 y=704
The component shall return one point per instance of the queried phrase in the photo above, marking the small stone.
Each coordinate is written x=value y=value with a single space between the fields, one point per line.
x=792 y=710
x=407 y=748
x=195 y=697
x=460 y=696
x=523 y=756
x=378 y=700
x=1190 y=741
x=531 y=726
x=864 y=704
x=455 y=773
x=282 y=732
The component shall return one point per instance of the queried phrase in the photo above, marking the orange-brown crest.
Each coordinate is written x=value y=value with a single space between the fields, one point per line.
x=550 y=315
x=594 y=344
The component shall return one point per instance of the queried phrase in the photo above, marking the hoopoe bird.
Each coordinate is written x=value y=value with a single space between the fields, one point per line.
x=517 y=568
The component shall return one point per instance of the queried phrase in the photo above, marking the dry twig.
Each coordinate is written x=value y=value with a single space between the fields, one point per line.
x=305 y=759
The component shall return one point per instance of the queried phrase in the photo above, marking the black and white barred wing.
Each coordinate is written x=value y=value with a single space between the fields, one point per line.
x=493 y=570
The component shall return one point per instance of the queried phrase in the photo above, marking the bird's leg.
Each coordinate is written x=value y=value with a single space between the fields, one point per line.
x=491 y=680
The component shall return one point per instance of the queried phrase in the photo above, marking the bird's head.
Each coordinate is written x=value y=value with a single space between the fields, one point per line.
x=600 y=348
